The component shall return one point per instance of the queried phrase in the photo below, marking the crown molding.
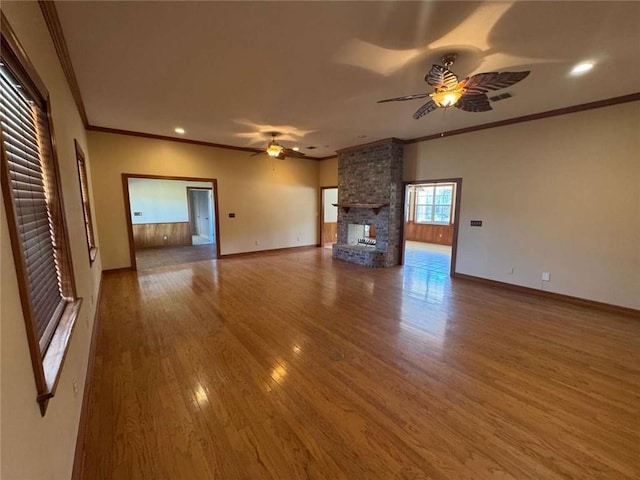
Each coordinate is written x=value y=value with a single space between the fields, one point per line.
x=536 y=116
x=52 y=20
x=131 y=133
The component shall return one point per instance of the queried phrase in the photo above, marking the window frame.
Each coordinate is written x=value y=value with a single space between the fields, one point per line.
x=433 y=204
x=83 y=179
x=46 y=362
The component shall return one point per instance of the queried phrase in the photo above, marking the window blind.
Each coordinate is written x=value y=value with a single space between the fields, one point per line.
x=24 y=124
x=86 y=206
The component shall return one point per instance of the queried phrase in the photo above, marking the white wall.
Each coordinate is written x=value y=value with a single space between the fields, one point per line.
x=275 y=201
x=160 y=201
x=330 y=212
x=558 y=195
x=35 y=447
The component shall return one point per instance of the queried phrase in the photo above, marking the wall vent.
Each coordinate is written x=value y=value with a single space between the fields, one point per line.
x=502 y=96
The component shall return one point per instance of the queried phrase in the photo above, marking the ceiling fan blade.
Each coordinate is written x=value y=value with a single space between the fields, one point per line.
x=474 y=102
x=483 y=82
x=280 y=156
x=257 y=153
x=406 y=97
x=428 y=107
x=441 y=77
x=290 y=152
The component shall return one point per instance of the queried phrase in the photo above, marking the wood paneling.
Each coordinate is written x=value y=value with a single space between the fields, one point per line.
x=422 y=232
x=147 y=235
x=330 y=232
x=216 y=370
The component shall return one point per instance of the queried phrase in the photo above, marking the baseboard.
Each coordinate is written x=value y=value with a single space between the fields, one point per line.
x=118 y=270
x=78 y=459
x=608 y=307
x=267 y=252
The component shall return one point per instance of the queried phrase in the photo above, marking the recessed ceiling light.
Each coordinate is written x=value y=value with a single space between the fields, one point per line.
x=362 y=136
x=581 y=68
x=296 y=149
x=179 y=130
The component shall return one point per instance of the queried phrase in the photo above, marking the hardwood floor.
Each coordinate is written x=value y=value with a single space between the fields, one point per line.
x=294 y=366
x=175 y=255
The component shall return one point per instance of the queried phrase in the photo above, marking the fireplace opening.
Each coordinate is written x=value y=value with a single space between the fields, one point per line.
x=361 y=235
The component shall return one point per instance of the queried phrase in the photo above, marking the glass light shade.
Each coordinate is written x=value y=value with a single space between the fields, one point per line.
x=273 y=150
x=446 y=98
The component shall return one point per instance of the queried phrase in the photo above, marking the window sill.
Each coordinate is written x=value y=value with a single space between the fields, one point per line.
x=434 y=223
x=57 y=351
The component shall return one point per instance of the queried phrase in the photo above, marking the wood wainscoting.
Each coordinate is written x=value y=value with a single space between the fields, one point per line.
x=428 y=233
x=146 y=235
x=330 y=232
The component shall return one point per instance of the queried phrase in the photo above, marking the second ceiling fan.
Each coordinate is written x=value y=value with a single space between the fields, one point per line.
x=275 y=150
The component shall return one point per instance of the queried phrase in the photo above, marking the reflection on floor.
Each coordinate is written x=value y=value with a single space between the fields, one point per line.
x=436 y=258
x=426 y=271
x=163 y=256
x=292 y=365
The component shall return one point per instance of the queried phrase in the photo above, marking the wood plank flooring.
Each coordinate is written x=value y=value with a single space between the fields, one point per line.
x=294 y=366
x=173 y=255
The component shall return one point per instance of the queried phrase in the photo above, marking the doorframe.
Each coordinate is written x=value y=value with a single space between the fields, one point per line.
x=321 y=217
x=127 y=207
x=189 y=212
x=456 y=216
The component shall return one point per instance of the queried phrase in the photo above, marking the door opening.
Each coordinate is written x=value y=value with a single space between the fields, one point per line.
x=169 y=224
x=432 y=209
x=328 y=216
x=201 y=215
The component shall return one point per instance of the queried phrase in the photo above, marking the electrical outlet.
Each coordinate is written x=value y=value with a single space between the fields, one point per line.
x=298 y=238
x=510 y=271
x=91 y=299
x=546 y=276
x=257 y=242
x=75 y=387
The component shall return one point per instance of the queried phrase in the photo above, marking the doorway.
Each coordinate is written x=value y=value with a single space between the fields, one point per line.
x=201 y=215
x=328 y=216
x=170 y=220
x=432 y=209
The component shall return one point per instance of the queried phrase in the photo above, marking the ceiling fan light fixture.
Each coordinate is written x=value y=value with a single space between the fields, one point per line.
x=274 y=149
x=447 y=98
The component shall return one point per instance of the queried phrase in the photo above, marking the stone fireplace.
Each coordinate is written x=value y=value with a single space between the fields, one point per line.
x=370 y=204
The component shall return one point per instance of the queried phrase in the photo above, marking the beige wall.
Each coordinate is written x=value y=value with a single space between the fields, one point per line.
x=33 y=447
x=275 y=201
x=328 y=173
x=558 y=195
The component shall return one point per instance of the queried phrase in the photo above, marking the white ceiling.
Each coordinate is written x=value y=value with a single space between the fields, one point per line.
x=226 y=71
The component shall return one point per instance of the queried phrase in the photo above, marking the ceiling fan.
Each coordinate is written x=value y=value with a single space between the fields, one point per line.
x=468 y=95
x=275 y=150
